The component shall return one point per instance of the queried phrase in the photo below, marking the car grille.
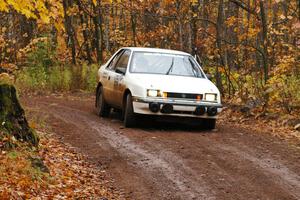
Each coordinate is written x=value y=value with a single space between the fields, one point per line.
x=184 y=95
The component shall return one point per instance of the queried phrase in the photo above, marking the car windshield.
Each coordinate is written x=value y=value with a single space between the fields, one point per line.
x=164 y=63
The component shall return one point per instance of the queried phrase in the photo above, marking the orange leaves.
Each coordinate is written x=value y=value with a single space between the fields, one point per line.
x=70 y=177
x=16 y=174
x=230 y=21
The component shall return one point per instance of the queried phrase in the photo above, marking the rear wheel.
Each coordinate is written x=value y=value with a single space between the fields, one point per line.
x=209 y=124
x=129 y=116
x=102 y=107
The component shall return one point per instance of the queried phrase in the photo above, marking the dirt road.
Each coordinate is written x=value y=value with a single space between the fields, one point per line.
x=160 y=160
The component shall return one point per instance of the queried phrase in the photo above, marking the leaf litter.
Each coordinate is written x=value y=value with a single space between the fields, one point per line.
x=53 y=171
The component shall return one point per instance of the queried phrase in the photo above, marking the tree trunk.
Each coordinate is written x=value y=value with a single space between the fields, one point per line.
x=180 y=27
x=70 y=31
x=107 y=28
x=85 y=32
x=220 y=21
x=133 y=28
x=97 y=19
x=12 y=117
x=193 y=25
x=264 y=40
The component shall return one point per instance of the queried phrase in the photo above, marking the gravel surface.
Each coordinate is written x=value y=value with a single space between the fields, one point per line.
x=174 y=160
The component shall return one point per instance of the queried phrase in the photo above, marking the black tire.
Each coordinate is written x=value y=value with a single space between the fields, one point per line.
x=129 y=116
x=209 y=124
x=102 y=108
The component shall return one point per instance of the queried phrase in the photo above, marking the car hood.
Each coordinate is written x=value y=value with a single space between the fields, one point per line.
x=178 y=84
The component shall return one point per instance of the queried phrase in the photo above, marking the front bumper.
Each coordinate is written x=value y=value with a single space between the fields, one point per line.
x=181 y=107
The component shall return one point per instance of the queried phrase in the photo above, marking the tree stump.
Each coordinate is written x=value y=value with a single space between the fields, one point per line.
x=12 y=117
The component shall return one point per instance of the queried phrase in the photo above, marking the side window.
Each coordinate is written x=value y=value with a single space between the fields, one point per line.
x=114 y=61
x=123 y=61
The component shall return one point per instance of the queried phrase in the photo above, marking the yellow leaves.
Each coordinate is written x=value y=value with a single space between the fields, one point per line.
x=25 y=7
x=3 y=6
x=45 y=18
x=286 y=65
x=34 y=9
x=72 y=10
x=43 y=12
x=284 y=84
x=94 y=2
x=59 y=25
x=194 y=2
x=252 y=32
x=230 y=21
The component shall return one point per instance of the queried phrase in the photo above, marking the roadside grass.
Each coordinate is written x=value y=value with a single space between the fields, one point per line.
x=42 y=72
x=60 y=78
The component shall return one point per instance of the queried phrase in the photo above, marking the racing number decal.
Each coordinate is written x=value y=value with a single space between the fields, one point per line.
x=117 y=81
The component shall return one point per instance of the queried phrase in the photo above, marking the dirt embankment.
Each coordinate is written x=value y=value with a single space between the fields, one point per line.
x=160 y=160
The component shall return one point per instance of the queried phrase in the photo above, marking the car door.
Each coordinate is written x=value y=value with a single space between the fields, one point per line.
x=107 y=80
x=118 y=77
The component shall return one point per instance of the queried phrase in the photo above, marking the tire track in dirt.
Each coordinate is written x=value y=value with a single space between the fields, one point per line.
x=225 y=160
x=286 y=178
x=240 y=166
x=174 y=170
x=233 y=165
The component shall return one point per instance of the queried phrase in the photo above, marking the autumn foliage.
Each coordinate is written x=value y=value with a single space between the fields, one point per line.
x=250 y=47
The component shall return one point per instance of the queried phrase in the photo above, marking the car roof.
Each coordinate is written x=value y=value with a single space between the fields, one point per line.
x=156 y=50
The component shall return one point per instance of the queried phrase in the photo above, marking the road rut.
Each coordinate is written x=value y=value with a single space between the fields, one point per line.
x=165 y=160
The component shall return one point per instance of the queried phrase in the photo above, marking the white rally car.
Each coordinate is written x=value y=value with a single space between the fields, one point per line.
x=153 y=81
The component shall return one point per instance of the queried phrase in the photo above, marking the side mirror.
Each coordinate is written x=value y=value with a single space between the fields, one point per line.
x=121 y=70
x=209 y=76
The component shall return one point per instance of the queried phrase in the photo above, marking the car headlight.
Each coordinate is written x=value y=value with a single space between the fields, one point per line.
x=156 y=93
x=210 y=97
x=153 y=93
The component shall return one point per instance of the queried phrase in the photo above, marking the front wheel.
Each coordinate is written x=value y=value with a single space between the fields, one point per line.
x=209 y=124
x=129 y=116
x=102 y=107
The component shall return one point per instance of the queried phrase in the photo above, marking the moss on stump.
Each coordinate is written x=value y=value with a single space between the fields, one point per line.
x=12 y=116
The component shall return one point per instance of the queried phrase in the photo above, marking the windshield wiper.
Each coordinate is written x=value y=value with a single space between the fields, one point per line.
x=171 y=67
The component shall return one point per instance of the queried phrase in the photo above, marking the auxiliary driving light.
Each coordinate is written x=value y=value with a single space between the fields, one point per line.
x=154 y=107
x=212 y=111
x=200 y=110
x=167 y=108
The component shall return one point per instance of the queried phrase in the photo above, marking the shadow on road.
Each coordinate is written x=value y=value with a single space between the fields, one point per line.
x=170 y=123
